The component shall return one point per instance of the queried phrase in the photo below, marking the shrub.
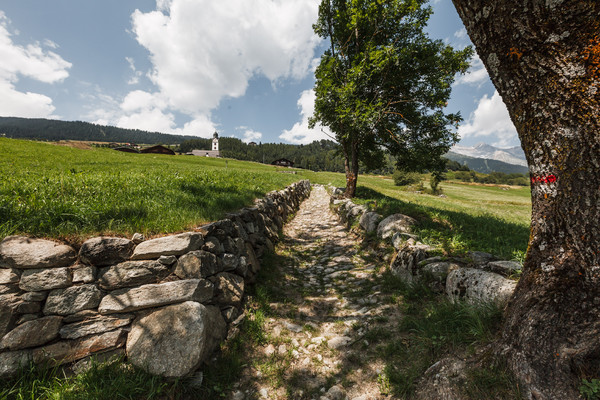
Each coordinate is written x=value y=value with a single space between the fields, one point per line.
x=405 y=178
x=434 y=181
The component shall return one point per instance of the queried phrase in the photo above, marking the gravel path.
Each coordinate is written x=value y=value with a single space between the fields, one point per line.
x=320 y=333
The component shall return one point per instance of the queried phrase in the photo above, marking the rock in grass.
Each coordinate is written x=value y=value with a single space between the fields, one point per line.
x=175 y=340
x=28 y=253
x=369 y=221
x=394 y=223
x=476 y=285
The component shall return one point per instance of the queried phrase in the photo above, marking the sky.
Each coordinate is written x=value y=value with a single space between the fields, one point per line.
x=242 y=68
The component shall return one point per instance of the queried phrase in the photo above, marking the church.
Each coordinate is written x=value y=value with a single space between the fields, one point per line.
x=209 y=153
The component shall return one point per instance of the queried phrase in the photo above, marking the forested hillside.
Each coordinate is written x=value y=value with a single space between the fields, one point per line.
x=48 y=129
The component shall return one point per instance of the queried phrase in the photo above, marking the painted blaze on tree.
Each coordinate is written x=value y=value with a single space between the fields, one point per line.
x=383 y=84
x=543 y=56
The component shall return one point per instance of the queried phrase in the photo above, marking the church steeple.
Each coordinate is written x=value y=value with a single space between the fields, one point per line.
x=215 y=142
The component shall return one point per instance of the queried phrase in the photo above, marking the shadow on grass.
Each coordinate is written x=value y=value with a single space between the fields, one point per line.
x=216 y=201
x=455 y=232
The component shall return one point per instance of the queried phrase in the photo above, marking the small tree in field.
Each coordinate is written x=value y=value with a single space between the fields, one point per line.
x=543 y=56
x=383 y=84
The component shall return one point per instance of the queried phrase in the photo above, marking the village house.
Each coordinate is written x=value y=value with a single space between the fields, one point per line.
x=209 y=153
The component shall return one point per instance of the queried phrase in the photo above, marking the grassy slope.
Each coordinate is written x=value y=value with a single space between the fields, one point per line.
x=470 y=217
x=57 y=191
x=54 y=191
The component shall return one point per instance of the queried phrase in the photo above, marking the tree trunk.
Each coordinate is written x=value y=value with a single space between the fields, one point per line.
x=351 y=167
x=543 y=56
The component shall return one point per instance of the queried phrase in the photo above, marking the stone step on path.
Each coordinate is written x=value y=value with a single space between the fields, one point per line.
x=318 y=332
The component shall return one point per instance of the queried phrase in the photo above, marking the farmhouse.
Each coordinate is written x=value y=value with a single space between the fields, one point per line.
x=283 y=162
x=158 y=150
x=209 y=153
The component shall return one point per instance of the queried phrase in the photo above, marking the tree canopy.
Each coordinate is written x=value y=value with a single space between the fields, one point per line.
x=383 y=84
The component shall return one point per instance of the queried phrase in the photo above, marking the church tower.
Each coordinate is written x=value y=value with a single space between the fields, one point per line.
x=215 y=142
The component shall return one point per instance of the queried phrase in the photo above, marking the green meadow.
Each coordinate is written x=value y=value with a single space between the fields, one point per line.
x=63 y=192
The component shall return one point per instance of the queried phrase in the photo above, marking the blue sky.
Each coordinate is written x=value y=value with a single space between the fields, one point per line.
x=242 y=68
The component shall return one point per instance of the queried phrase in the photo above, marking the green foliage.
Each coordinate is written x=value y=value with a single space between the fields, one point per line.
x=404 y=178
x=102 y=381
x=434 y=181
x=383 y=83
x=323 y=155
x=590 y=389
x=53 y=130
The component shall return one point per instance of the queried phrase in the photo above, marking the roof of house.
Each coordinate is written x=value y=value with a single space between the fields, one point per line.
x=158 y=149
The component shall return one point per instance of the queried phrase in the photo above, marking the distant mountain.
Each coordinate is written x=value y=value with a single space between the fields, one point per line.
x=486 y=165
x=513 y=155
x=49 y=129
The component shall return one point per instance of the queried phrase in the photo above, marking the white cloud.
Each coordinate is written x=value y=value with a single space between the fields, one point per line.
x=30 y=61
x=203 y=51
x=461 y=33
x=249 y=135
x=26 y=105
x=490 y=119
x=476 y=75
x=135 y=79
x=300 y=132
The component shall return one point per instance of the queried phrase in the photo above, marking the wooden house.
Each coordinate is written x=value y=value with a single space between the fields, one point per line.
x=158 y=150
x=283 y=162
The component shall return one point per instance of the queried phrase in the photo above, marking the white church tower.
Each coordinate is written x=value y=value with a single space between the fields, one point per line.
x=215 y=142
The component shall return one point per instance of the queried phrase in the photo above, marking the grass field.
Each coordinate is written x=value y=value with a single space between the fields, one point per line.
x=58 y=191
x=468 y=217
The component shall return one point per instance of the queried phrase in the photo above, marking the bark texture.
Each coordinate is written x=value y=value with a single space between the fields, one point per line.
x=543 y=56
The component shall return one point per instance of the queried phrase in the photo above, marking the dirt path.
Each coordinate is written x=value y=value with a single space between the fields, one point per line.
x=322 y=334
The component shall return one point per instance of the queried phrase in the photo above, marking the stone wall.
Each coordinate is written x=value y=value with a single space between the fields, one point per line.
x=166 y=302
x=478 y=276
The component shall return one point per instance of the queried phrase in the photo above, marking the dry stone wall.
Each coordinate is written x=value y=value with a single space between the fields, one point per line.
x=166 y=302
x=479 y=277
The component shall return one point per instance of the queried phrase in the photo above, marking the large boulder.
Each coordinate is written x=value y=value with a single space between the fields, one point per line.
x=105 y=250
x=369 y=221
x=37 y=280
x=394 y=223
x=174 y=245
x=476 y=285
x=132 y=273
x=156 y=295
x=24 y=253
x=73 y=299
x=175 y=340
